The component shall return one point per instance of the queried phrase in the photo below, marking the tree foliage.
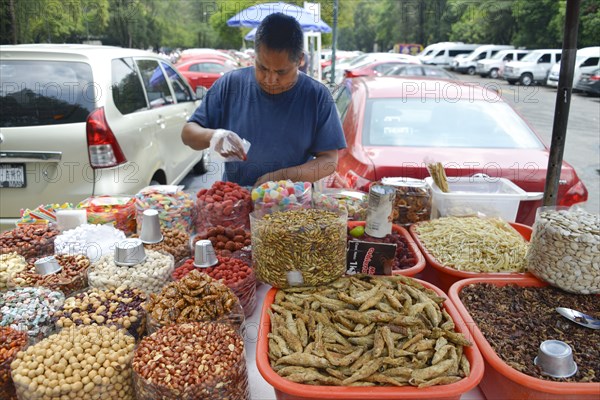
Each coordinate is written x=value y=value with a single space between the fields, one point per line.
x=362 y=24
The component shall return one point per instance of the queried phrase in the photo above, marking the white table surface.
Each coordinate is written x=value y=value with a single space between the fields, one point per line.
x=259 y=388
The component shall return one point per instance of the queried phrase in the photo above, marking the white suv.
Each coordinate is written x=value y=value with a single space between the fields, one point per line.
x=534 y=67
x=78 y=120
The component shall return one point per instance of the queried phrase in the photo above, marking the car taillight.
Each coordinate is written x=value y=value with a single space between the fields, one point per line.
x=103 y=149
x=577 y=194
x=595 y=78
x=351 y=74
x=358 y=182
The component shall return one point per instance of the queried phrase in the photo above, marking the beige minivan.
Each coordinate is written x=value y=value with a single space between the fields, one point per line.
x=79 y=120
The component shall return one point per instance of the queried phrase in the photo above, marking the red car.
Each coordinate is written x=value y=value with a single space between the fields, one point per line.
x=395 y=126
x=380 y=67
x=204 y=71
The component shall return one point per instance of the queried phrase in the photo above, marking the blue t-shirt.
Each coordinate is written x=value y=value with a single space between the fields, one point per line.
x=284 y=130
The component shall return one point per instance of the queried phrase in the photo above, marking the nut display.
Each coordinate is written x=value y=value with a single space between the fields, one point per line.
x=82 y=362
x=234 y=273
x=474 y=244
x=565 y=250
x=10 y=264
x=504 y=316
x=29 y=240
x=310 y=242
x=225 y=204
x=122 y=306
x=198 y=360
x=72 y=277
x=149 y=276
x=11 y=342
x=195 y=297
x=412 y=202
x=175 y=242
x=365 y=330
x=30 y=310
x=225 y=241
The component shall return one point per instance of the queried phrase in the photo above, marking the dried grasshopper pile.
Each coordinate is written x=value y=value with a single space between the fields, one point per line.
x=365 y=331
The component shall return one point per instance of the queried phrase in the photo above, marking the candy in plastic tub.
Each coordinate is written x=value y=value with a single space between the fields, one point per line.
x=355 y=202
x=225 y=204
x=118 y=211
x=175 y=207
x=282 y=195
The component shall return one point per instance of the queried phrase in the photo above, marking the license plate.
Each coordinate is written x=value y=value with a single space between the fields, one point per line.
x=12 y=176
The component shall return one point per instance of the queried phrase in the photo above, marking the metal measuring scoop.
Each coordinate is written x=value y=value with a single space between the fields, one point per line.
x=579 y=317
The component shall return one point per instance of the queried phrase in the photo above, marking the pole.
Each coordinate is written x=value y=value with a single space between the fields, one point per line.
x=563 y=102
x=334 y=44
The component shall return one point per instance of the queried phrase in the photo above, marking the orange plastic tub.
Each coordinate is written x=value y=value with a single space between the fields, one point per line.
x=412 y=246
x=444 y=277
x=287 y=390
x=501 y=381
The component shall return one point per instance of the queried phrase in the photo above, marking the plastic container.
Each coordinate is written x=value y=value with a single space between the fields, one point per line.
x=501 y=381
x=492 y=197
x=117 y=211
x=412 y=246
x=287 y=390
x=444 y=277
x=413 y=200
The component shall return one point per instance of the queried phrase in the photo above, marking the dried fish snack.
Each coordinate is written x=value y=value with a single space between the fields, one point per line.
x=195 y=297
x=474 y=244
x=299 y=247
x=365 y=330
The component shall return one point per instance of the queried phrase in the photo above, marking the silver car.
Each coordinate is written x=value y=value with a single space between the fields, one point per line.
x=78 y=120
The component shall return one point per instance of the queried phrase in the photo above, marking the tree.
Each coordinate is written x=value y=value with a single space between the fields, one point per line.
x=485 y=21
x=538 y=23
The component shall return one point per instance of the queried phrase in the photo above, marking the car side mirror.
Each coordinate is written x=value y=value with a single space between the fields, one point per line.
x=200 y=92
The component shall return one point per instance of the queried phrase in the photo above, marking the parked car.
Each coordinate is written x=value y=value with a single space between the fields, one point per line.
x=468 y=64
x=589 y=82
x=586 y=60
x=445 y=53
x=419 y=70
x=193 y=53
x=378 y=68
x=394 y=126
x=492 y=66
x=79 y=120
x=366 y=59
x=204 y=71
x=534 y=67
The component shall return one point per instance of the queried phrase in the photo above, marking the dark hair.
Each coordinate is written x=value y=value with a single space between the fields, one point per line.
x=280 y=32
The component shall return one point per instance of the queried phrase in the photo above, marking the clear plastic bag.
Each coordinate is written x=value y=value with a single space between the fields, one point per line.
x=175 y=207
x=225 y=204
x=564 y=249
x=215 y=367
x=117 y=211
x=354 y=201
x=195 y=297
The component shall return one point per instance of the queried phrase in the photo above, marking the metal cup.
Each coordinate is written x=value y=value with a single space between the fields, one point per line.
x=129 y=252
x=151 y=232
x=47 y=265
x=70 y=219
x=204 y=254
x=555 y=358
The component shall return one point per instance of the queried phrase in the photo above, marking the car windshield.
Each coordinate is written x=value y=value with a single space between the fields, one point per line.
x=499 y=55
x=429 y=122
x=532 y=56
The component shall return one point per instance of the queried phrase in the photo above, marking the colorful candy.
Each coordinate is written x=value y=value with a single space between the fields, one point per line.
x=175 y=207
x=282 y=195
x=118 y=211
x=43 y=214
x=354 y=202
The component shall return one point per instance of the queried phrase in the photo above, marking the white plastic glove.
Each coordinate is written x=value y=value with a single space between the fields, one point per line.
x=229 y=145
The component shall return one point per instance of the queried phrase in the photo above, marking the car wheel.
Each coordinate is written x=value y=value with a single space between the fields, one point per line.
x=526 y=79
x=200 y=167
x=471 y=71
x=494 y=73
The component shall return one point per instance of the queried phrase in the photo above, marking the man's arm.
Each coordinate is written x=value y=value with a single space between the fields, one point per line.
x=322 y=165
x=196 y=136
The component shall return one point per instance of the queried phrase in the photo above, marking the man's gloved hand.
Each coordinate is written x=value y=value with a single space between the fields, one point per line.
x=229 y=145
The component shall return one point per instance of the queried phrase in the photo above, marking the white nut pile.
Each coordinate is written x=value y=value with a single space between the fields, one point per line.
x=149 y=276
x=10 y=263
x=565 y=250
x=84 y=362
x=93 y=241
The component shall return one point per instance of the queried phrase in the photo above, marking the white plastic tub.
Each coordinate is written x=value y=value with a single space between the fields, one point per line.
x=492 y=197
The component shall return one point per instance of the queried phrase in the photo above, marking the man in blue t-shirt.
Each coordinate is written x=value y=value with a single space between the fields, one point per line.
x=289 y=118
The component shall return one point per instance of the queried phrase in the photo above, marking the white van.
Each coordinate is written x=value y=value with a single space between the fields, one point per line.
x=491 y=66
x=468 y=64
x=444 y=53
x=587 y=60
x=534 y=67
x=428 y=51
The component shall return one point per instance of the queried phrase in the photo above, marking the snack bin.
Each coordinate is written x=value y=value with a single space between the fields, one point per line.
x=444 y=277
x=493 y=197
x=412 y=246
x=287 y=390
x=501 y=381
